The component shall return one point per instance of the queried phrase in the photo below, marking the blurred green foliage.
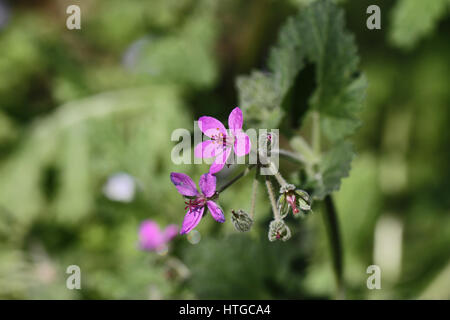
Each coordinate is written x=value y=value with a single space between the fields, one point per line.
x=79 y=106
x=415 y=19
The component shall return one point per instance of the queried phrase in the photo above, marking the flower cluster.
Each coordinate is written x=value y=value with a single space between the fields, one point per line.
x=220 y=145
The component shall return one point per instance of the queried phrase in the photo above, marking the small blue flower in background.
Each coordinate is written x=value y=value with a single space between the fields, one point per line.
x=133 y=53
x=120 y=187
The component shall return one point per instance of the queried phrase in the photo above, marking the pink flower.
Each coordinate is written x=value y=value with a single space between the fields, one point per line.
x=296 y=199
x=222 y=142
x=197 y=201
x=152 y=238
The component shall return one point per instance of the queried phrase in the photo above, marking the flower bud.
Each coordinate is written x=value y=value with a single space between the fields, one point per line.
x=282 y=205
x=287 y=188
x=278 y=230
x=296 y=199
x=241 y=220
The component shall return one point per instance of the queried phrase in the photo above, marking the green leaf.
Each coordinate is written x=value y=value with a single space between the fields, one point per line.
x=185 y=58
x=71 y=141
x=74 y=199
x=260 y=100
x=261 y=94
x=339 y=93
x=334 y=166
x=413 y=20
x=286 y=58
x=316 y=35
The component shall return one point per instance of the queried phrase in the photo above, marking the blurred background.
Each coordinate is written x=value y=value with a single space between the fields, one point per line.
x=86 y=118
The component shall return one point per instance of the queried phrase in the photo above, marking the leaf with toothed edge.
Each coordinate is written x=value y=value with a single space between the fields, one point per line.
x=315 y=35
x=334 y=166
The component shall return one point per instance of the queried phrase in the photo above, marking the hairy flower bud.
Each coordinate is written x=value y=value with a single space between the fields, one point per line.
x=296 y=199
x=278 y=230
x=241 y=220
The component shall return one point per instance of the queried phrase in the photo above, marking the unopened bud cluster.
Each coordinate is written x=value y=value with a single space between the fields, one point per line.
x=290 y=198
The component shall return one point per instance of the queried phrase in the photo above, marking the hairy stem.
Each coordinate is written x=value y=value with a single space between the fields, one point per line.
x=332 y=225
x=292 y=156
x=280 y=179
x=240 y=175
x=273 y=202
x=276 y=173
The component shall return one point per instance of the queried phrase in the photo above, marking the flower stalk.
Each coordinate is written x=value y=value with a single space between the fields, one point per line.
x=332 y=225
x=276 y=214
x=239 y=176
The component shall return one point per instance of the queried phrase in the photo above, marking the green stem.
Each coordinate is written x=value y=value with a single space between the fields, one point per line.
x=332 y=225
x=240 y=175
x=294 y=157
x=276 y=214
x=281 y=181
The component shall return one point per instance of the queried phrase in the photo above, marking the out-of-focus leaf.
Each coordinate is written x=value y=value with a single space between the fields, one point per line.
x=8 y=131
x=62 y=136
x=212 y=262
x=136 y=17
x=413 y=20
x=260 y=100
x=74 y=198
x=185 y=57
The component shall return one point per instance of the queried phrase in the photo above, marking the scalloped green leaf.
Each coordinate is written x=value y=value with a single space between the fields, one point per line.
x=334 y=166
x=316 y=35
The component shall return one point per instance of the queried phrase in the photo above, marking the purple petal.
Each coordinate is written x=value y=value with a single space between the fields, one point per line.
x=207 y=149
x=216 y=211
x=235 y=120
x=184 y=184
x=207 y=184
x=242 y=144
x=170 y=232
x=150 y=236
x=220 y=161
x=211 y=126
x=191 y=219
